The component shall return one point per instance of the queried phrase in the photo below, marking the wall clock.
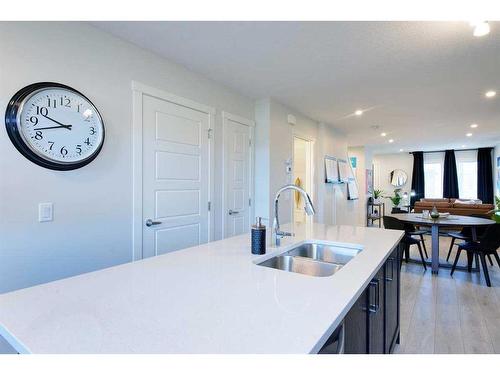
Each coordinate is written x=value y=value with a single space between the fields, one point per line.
x=54 y=126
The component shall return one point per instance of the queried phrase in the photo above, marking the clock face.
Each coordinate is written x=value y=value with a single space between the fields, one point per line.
x=55 y=126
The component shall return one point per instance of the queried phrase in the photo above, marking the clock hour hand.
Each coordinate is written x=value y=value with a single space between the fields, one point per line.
x=57 y=122
x=55 y=127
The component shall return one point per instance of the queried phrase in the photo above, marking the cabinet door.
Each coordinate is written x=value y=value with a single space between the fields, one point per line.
x=392 y=277
x=376 y=334
x=356 y=326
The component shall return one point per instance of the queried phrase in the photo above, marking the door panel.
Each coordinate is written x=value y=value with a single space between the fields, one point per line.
x=175 y=176
x=236 y=177
x=392 y=275
x=356 y=327
x=376 y=314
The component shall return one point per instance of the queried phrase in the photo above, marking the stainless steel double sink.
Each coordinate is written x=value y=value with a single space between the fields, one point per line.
x=319 y=259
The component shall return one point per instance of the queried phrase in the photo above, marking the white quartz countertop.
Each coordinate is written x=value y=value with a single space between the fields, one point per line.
x=211 y=298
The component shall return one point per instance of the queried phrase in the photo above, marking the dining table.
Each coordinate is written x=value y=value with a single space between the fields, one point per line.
x=444 y=221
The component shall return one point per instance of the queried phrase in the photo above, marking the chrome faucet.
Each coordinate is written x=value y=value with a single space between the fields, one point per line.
x=309 y=208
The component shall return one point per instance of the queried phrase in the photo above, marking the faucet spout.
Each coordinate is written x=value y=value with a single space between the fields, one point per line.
x=308 y=207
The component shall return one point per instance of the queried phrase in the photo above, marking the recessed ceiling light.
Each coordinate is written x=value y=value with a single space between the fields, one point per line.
x=481 y=28
x=391 y=140
x=469 y=134
x=383 y=134
x=463 y=146
x=473 y=126
x=490 y=94
x=401 y=150
x=358 y=112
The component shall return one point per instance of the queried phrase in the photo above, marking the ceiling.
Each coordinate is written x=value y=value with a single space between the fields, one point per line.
x=422 y=83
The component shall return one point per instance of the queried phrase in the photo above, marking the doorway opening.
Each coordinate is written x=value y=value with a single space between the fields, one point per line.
x=302 y=176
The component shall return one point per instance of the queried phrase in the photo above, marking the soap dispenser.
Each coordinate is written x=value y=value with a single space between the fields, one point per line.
x=258 y=237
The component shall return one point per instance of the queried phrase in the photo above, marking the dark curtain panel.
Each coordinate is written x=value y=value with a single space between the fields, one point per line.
x=484 y=175
x=450 y=179
x=417 y=179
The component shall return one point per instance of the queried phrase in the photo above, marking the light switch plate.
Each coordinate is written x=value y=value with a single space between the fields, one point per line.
x=45 y=212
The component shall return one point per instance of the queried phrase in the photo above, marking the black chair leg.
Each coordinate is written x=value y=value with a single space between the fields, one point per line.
x=489 y=258
x=407 y=253
x=451 y=248
x=456 y=261
x=421 y=255
x=423 y=244
x=470 y=259
x=497 y=258
x=485 y=270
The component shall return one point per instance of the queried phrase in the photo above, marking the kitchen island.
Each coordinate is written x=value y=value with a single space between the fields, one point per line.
x=211 y=298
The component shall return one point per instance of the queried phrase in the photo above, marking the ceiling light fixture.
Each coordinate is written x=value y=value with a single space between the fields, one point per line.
x=383 y=134
x=473 y=126
x=358 y=112
x=401 y=150
x=469 y=134
x=490 y=94
x=481 y=28
x=391 y=140
x=463 y=146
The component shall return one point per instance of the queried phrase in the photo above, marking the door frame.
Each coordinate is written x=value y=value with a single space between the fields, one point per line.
x=310 y=166
x=139 y=90
x=251 y=127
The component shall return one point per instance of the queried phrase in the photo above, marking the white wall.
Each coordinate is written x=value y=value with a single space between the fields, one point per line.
x=93 y=205
x=383 y=165
x=364 y=160
x=275 y=135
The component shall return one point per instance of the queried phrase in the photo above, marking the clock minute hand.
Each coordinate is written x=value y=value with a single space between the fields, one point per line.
x=57 y=122
x=55 y=127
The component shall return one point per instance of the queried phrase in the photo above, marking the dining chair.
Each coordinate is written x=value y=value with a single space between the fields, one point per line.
x=412 y=229
x=466 y=235
x=487 y=245
x=391 y=222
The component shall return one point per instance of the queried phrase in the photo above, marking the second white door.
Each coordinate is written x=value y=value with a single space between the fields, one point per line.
x=237 y=174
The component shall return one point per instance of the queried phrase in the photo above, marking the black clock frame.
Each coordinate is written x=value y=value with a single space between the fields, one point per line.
x=16 y=138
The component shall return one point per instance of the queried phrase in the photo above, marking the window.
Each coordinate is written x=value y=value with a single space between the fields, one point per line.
x=467 y=173
x=433 y=174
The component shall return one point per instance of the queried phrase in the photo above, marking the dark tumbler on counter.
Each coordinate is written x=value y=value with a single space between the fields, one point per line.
x=258 y=237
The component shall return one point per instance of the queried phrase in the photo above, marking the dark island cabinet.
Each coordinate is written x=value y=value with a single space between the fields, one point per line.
x=392 y=296
x=372 y=324
x=356 y=326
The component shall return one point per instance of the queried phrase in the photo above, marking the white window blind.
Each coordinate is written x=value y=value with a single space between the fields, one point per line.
x=433 y=174
x=467 y=173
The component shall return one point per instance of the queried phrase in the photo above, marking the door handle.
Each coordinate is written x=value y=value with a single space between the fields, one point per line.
x=391 y=262
x=231 y=212
x=374 y=307
x=150 y=222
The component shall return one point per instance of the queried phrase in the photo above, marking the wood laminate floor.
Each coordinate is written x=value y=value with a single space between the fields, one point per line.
x=444 y=314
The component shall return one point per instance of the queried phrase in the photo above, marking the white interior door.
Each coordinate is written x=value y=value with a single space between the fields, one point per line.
x=176 y=172
x=237 y=174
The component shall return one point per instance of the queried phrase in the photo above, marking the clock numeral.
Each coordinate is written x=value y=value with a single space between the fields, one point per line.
x=66 y=102
x=87 y=142
x=42 y=111
x=38 y=135
x=92 y=130
x=51 y=144
x=63 y=151
x=79 y=149
x=78 y=108
x=51 y=103
x=34 y=120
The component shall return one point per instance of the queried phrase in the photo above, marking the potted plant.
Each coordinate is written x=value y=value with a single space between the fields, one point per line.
x=377 y=194
x=396 y=198
x=495 y=213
